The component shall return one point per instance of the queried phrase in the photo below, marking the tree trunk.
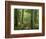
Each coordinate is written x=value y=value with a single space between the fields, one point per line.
x=32 y=19
x=15 y=18
x=22 y=15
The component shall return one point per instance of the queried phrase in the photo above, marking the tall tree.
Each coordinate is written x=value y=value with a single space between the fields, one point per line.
x=22 y=15
x=15 y=18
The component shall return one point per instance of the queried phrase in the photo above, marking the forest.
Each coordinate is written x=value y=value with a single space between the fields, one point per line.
x=26 y=19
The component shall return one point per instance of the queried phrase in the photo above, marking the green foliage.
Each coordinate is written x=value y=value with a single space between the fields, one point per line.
x=26 y=19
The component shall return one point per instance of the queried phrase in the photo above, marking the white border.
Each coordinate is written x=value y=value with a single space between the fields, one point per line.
x=25 y=31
